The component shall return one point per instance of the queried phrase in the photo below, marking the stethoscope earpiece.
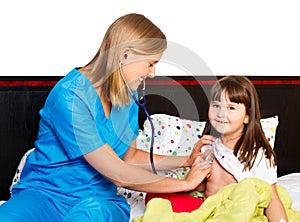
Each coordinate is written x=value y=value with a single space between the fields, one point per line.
x=122 y=63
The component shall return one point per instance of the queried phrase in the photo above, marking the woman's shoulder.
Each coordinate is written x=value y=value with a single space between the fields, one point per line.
x=73 y=79
x=73 y=82
x=73 y=85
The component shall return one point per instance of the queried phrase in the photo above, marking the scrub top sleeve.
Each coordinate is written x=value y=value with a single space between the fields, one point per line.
x=75 y=126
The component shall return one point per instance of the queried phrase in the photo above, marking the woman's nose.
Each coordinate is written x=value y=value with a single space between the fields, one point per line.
x=151 y=75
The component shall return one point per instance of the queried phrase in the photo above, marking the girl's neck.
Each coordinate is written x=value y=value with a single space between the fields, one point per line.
x=229 y=141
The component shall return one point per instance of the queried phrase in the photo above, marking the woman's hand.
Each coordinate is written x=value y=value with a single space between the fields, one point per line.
x=198 y=172
x=131 y=176
x=204 y=140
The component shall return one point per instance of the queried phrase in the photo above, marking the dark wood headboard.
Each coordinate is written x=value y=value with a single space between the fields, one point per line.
x=21 y=98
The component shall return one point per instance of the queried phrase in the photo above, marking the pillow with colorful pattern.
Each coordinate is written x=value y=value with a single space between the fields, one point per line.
x=176 y=136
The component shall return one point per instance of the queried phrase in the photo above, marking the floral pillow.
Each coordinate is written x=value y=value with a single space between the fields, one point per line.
x=176 y=136
x=269 y=126
x=172 y=135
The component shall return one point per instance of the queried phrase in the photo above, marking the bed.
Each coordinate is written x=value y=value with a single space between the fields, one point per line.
x=176 y=136
x=169 y=98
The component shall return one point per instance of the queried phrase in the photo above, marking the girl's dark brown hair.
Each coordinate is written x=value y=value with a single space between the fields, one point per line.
x=239 y=89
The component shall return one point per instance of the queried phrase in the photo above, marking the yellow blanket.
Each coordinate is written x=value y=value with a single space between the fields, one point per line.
x=240 y=202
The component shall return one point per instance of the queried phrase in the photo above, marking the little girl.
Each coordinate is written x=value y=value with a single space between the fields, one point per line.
x=240 y=147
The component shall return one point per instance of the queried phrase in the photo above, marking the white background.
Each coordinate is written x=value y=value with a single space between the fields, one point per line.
x=49 y=38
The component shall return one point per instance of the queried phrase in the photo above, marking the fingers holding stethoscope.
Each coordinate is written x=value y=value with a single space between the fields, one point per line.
x=200 y=170
x=204 y=140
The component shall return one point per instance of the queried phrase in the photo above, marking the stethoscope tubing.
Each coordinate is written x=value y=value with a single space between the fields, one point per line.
x=141 y=102
x=142 y=105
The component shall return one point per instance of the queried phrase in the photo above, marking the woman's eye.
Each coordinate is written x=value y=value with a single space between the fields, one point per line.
x=231 y=108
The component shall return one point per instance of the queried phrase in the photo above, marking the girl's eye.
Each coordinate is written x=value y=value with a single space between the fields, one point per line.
x=231 y=108
x=215 y=106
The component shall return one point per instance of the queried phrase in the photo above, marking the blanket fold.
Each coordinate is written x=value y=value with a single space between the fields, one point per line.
x=240 y=202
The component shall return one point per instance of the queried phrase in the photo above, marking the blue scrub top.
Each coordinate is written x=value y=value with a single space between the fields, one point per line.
x=72 y=124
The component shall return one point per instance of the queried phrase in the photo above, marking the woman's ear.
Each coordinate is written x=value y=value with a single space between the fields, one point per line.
x=124 y=54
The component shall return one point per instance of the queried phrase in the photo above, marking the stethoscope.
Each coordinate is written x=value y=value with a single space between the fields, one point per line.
x=141 y=102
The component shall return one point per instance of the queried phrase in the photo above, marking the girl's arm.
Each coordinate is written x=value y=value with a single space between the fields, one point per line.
x=275 y=211
x=202 y=186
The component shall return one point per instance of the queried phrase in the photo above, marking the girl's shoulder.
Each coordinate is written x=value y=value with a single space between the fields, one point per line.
x=261 y=157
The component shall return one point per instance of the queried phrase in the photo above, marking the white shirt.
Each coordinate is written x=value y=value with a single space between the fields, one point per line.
x=261 y=168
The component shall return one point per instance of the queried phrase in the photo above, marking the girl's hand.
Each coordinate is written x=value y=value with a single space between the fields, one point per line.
x=204 y=140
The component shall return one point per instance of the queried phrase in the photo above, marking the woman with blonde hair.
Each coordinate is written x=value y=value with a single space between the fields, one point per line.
x=86 y=143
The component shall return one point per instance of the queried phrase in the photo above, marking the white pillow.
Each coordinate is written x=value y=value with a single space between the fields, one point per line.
x=269 y=126
x=176 y=136
x=17 y=175
x=172 y=135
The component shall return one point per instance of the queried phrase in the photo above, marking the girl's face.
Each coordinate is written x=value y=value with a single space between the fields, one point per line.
x=227 y=117
x=136 y=68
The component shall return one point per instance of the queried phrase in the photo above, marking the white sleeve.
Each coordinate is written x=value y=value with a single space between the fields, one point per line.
x=263 y=170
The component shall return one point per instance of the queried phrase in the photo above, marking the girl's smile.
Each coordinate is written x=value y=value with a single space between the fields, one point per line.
x=227 y=117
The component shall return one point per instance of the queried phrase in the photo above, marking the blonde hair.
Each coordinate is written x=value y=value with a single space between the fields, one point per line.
x=131 y=31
